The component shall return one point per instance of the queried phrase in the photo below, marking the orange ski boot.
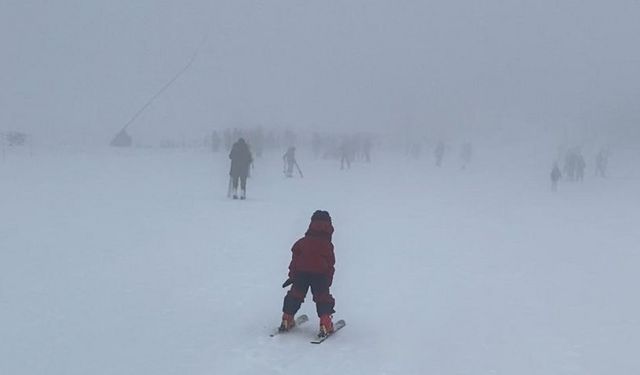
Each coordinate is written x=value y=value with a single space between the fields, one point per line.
x=288 y=322
x=326 y=326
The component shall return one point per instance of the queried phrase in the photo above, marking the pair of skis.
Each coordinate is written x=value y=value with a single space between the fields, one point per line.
x=320 y=339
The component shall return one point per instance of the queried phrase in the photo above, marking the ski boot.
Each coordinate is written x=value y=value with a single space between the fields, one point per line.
x=326 y=326
x=288 y=322
x=243 y=195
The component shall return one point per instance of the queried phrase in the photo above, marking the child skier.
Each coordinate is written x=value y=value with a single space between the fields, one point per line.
x=312 y=265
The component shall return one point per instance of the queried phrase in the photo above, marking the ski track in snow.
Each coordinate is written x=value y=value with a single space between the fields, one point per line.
x=135 y=262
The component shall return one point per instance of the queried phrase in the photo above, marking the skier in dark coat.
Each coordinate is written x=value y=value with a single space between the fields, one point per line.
x=241 y=159
x=312 y=265
x=555 y=176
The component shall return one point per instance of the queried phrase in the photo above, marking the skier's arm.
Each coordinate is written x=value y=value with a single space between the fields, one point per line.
x=292 y=265
x=331 y=262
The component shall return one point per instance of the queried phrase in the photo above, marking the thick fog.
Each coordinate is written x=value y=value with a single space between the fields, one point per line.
x=477 y=162
x=81 y=70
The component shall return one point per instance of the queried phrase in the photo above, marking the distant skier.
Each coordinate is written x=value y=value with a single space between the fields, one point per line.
x=574 y=165
x=580 y=166
x=366 y=148
x=312 y=265
x=241 y=159
x=346 y=153
x=289 y=159
x=602 y=159
x=555 y=177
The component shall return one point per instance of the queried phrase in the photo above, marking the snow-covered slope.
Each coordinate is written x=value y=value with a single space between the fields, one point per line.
x=135 y=262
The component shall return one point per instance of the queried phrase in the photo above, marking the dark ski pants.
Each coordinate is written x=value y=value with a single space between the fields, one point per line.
x=243 y=182
x=319 y=289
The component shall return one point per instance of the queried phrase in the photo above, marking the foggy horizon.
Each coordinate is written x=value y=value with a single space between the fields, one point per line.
x=84 y=69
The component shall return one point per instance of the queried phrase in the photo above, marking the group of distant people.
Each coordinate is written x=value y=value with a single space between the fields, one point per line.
x=575 y=165
x=573 y=168
x=241 y=161
x=260 y=140
x=345 y=148
x=466 y=153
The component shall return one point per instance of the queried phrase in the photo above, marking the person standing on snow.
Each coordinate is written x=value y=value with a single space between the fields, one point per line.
x=555 y=177
x=580 y=166
x=241 y=159
x=289 y=159
x=312 y=265
x=602 y=159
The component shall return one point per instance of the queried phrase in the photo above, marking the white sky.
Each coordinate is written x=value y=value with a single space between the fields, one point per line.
x=86 y=67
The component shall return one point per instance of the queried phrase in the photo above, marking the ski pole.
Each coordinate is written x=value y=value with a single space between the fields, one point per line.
x=298 y=167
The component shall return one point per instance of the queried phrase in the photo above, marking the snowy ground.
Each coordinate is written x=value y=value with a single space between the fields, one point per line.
x=135 y=262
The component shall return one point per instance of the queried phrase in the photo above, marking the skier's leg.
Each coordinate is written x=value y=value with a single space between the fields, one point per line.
x=292 y=301
x=321 y=295
x=324 y=303
x=289 y=169
x=243 y=186
x=235 y=182
x=295 y=295
x=235 y=186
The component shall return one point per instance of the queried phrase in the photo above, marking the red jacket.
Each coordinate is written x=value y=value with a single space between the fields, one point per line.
x=313 y=253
